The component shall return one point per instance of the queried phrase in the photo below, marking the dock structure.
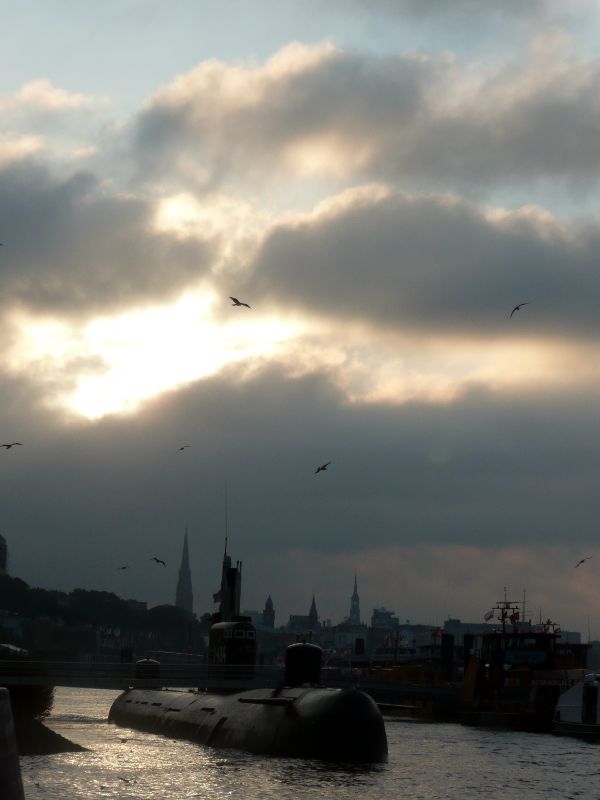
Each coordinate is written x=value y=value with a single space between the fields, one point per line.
x=11 y=786
x=218 y=678
x=92 y=675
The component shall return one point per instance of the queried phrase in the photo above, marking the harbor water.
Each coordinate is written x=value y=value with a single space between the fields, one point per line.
x=427 y=761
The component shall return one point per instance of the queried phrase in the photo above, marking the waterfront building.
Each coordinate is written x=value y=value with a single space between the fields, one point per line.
x=184 y=597
x=385 y=632
x=345 y=640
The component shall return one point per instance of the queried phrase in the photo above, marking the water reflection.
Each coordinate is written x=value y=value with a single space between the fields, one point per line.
x=299 y=773
x=426 y=762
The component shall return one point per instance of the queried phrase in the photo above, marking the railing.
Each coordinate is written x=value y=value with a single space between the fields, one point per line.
x=213 y=677
x=122 y=675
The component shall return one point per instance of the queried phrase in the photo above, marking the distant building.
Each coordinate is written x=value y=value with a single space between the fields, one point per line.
x=3 y=556
x=384 y=619
x=570 y=637
x=593 y=655
x=253 y=615
x=354 y=616
x=345 y=640
x=305 y=623
x=184 y=597
x=458 y=629
x=268 y=614
x=385 y=631
x=298 y=623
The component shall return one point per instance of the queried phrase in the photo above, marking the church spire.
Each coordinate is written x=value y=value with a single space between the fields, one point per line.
x=354 y=618
x=184 y=597
x=313 y=617
x=268 y=614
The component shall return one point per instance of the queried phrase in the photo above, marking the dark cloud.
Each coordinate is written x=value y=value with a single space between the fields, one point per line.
x=224 y=131
x=435 y=264
x=544 y=129
x=78 y=499
x=71 y=245
x=463 y=9
x=417 y=118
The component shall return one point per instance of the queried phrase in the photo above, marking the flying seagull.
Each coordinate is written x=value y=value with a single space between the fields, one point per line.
x=183 y=446
x=579 y=563
x=158 y=561
x=125 y=566
x=322 y=468
x=519 y=307
x=237 y=302
x=8 y=445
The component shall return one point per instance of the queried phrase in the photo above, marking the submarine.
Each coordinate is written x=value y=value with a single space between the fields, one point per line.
x=298 y=719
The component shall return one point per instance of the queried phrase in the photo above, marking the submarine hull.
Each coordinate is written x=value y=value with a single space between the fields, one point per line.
x=327 y=724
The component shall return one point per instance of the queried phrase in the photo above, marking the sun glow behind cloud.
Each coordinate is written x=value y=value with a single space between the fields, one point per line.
x=372 y=367
x=111 y=364
x=439 y=371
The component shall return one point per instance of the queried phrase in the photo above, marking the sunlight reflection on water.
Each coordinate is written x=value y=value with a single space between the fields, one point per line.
x=427 y=762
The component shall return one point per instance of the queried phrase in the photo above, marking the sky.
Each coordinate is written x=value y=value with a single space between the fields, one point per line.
x=382 y=182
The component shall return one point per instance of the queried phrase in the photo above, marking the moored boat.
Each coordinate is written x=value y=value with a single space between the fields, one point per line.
x=516 y=673
x=577 y=711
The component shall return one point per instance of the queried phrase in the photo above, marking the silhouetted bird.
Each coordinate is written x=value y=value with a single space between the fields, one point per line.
x=8 y=445
x=579 y=563
x=158 y=561
x=518 y=308
x=322 y=468
x=237 y=302
x=183 y=446
x=125 y=566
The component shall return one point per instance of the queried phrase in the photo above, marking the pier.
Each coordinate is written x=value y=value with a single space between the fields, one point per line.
x=119 y=676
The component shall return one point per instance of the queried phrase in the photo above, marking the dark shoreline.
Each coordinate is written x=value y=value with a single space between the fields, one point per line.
x=35 y=739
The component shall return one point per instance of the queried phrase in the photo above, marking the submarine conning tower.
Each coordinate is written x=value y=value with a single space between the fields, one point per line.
x=303 y=662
